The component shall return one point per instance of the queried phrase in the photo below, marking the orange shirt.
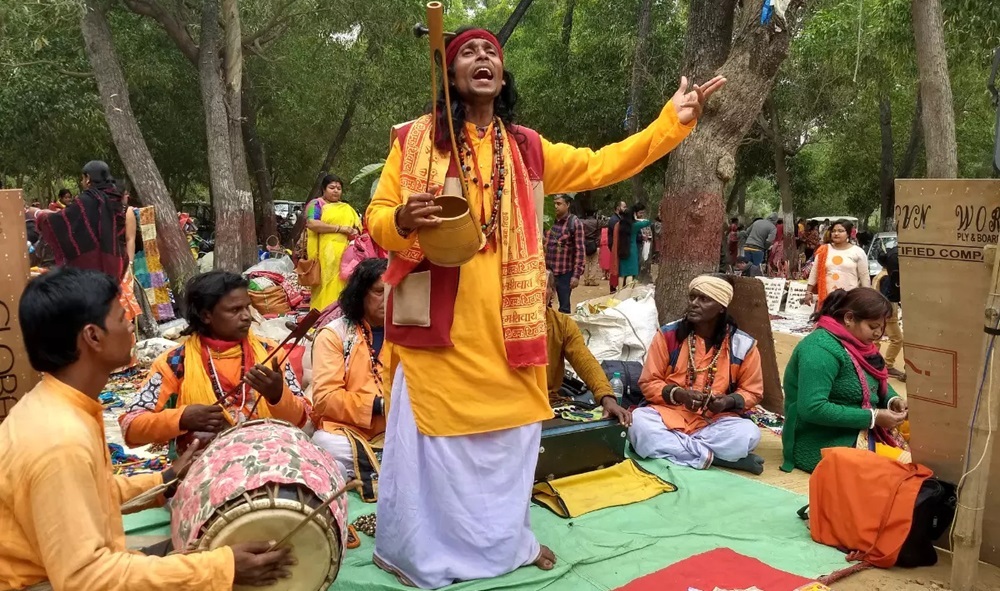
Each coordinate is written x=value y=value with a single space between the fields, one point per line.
x=657 y=373
x=155 y=417
x=343 y=396
x=60 y=505
x=470 y=388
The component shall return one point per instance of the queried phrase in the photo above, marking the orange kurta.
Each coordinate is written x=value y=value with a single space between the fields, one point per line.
x=343 y=396
x=155 y=417
x=470 y=388
x=60 y=505
x=657 y=374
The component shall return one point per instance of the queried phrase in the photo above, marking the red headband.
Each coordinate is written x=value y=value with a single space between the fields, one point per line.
x=451 y=51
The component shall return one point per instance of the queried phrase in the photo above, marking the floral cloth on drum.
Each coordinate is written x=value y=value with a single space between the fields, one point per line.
x=245 y=459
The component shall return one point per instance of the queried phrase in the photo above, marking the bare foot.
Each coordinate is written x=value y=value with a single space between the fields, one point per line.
x=546 y=558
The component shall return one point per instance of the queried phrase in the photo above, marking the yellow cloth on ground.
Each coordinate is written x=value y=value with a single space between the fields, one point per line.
x=469 y=388
x=622 y=484
x=328 y=249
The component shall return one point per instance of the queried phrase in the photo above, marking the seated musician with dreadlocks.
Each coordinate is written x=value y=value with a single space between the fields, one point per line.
x=179 y=398
x=349 y=402
x=701 y=372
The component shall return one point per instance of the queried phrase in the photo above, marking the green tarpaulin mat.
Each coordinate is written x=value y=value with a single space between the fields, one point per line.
x=606 y=549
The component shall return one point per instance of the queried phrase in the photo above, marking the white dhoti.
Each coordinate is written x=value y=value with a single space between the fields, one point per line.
x=728 y=438
x=453 y=508
x=340 y=448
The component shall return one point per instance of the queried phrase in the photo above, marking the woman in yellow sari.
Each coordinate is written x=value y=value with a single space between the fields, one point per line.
x=330 y=225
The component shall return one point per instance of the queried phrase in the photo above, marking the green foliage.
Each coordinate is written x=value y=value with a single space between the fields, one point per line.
x=305 y=78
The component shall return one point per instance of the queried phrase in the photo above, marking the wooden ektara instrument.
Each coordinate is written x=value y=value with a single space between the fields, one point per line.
x=460 y=235
x=296 y=335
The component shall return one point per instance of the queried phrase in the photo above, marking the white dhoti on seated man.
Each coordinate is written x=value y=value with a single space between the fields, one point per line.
x=700 y=374
x=348 y=402
x=468 y=353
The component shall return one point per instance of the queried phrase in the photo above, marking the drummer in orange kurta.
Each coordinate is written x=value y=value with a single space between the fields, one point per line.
x=468 y=362
x=349 y=406
x=60 y=501
x=701 y=373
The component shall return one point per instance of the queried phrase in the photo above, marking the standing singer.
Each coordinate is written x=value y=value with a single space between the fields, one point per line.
x=468 y=362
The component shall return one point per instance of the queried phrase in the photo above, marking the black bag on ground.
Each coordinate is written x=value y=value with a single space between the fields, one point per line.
x=630 y=372
x=932 y=516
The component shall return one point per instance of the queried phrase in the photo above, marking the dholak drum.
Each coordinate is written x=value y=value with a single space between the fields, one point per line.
x=256 y=482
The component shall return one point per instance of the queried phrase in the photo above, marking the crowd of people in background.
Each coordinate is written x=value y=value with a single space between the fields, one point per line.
x=588 y=248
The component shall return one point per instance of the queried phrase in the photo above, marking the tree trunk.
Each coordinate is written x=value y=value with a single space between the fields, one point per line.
x=784 y=188
x=887 y=174
x=635 y=90
x=515 y=17
x=231 y=213
x=338 y=139
x=748 y=55
x=738 y=193
x=909 y=163
x=264 y=202
x=233 y=73
x=935 y=88
x=131 y=146
x=567 y=24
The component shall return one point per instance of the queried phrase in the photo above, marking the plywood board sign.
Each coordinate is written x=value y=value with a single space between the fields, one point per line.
x=943 y=226
x=16 y=374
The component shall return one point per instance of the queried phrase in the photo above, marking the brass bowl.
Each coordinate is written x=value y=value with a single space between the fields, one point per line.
x=457 y=239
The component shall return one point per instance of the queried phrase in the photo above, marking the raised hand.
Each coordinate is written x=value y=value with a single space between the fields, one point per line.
x=689 y=102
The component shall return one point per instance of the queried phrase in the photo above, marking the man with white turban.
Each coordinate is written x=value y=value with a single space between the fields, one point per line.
x=700 y=374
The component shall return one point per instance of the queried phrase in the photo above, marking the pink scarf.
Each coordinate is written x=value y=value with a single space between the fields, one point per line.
x=862 y=355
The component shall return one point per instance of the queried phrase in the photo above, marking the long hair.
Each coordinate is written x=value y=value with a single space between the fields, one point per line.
x=365 y=275
x=724 y=324
x=503 y=106
x=203 y=293
x=864 y=303
x=625 y=223
x=100 y=174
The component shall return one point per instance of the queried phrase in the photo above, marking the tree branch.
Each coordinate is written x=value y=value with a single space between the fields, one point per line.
x=508 y=27
x=278 y=18
x=56 y=65
x=175 y=28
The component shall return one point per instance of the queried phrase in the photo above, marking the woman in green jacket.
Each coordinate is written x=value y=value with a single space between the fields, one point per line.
x=826 y=402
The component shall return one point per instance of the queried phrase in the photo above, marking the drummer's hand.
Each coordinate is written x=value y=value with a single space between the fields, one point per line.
x=181 y=465
x=418 y=212
x=614 y=410
x=257 y=566
x=203 y=417
x=267 y=381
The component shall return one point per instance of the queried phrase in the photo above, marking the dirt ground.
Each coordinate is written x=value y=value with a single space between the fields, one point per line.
x=934 y=578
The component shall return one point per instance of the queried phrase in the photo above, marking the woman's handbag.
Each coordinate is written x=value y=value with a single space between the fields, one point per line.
x=308 y=272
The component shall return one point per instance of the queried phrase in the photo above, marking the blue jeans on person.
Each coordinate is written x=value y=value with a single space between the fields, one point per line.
x=563 y=290
x=756 y=256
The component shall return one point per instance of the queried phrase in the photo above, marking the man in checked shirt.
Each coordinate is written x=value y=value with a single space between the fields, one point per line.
x=565 y=251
